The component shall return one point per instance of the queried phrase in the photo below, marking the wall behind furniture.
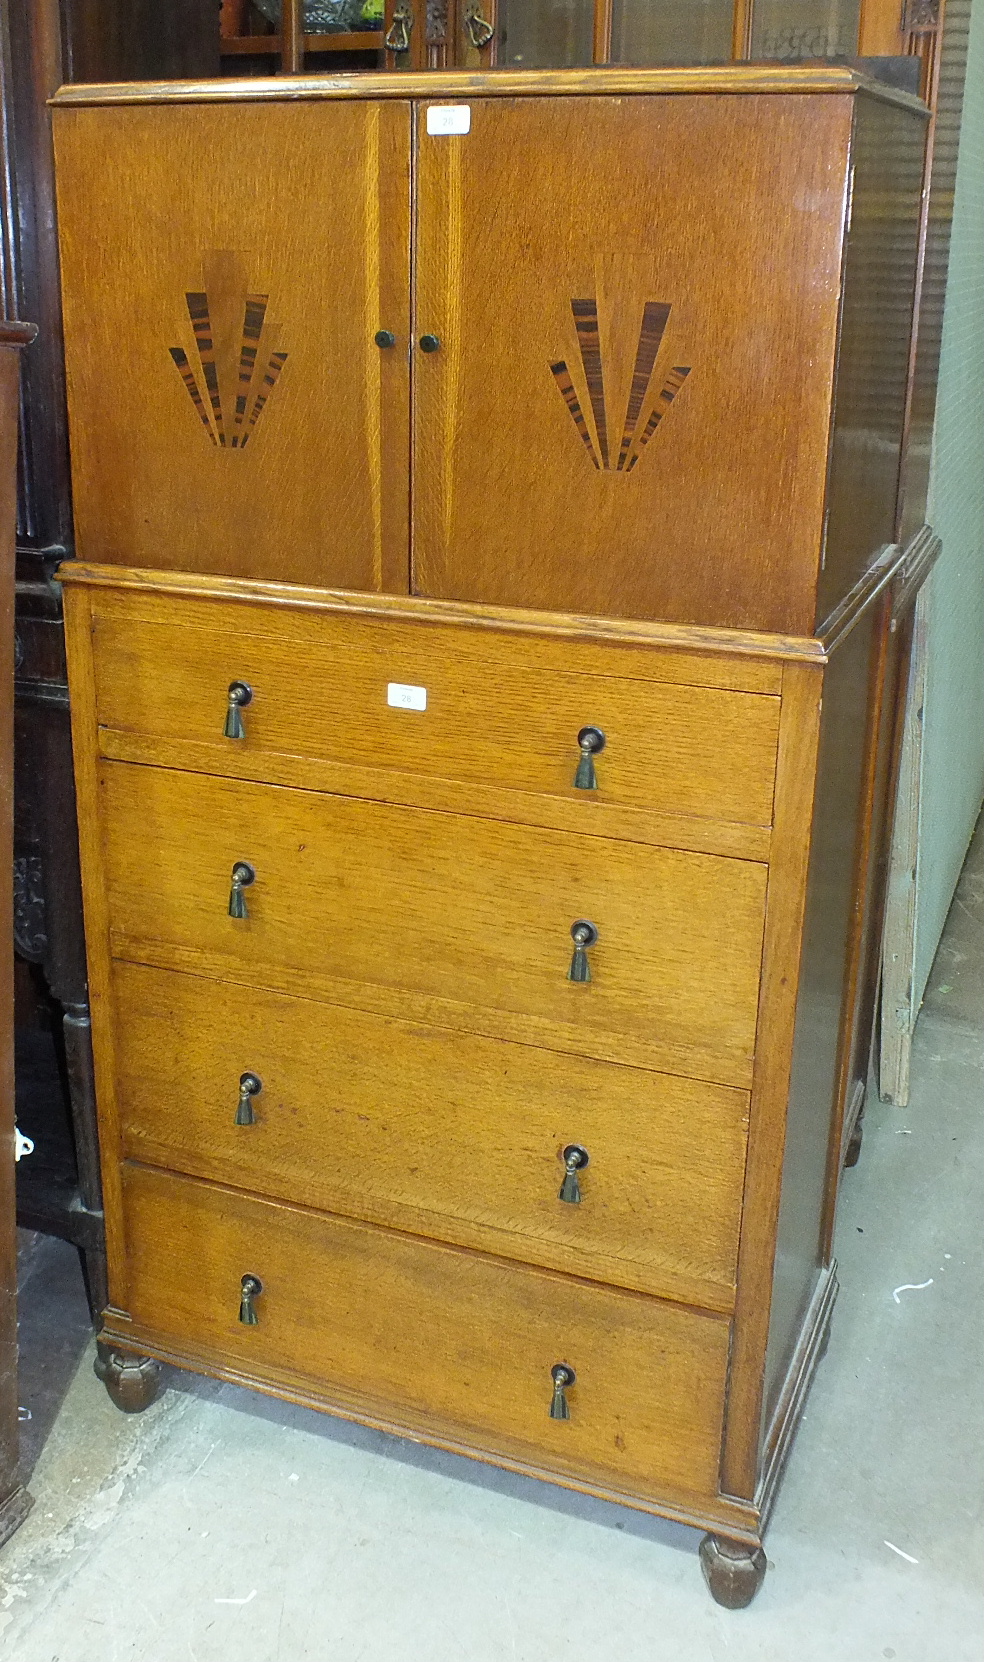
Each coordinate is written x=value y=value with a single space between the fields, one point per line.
x=953 y=743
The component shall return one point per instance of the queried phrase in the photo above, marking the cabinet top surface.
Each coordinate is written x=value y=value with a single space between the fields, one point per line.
x=431 y=84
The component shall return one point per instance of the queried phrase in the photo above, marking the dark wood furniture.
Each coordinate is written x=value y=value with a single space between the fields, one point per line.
x=42 y=45
x=482 y=735
x=15 y=1502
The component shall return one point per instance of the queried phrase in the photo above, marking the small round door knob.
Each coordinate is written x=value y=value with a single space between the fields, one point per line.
x=429 y=343
x=385 y=337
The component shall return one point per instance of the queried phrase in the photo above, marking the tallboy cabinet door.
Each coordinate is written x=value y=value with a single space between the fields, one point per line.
x=226 y=268
x=636 y=305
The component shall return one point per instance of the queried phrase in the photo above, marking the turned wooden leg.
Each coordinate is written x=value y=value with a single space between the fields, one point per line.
x=734 y=1572
x=132 y=1381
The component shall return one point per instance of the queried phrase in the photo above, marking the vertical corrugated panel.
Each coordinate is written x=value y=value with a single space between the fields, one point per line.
x=953 y=747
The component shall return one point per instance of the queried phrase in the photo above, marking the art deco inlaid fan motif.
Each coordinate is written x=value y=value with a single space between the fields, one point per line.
x=229 y=429
x=631 y=442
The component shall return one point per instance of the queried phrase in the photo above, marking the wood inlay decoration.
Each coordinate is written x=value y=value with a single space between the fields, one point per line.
x=251 y=395
x=655 y=317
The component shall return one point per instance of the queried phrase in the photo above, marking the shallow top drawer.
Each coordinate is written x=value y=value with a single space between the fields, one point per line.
x=396 y=711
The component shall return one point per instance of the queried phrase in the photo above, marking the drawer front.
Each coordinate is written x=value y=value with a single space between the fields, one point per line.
x=457 y=1340
x=437 y=1132
x=435 y=915
x=492 y=718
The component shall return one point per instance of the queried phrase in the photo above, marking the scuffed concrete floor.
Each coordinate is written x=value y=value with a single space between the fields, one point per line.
x=223 y=1527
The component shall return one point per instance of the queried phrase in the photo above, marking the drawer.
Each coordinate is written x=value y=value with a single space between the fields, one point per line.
x=494 y=720
x=437 y=1132
x=450 y=920
x=426 y=1336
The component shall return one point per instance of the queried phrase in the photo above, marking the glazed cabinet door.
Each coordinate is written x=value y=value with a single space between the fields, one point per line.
x=618 y=353
x=237 y=303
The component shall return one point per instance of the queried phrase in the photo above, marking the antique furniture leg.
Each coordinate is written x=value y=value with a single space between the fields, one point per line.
x=733 y=1571
x=131 y=1381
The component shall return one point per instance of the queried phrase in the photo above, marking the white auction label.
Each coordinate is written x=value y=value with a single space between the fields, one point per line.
x=406 y=698
x=449 y=118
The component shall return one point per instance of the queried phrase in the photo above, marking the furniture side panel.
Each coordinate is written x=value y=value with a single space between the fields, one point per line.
x=873 y=357
x=838 y=825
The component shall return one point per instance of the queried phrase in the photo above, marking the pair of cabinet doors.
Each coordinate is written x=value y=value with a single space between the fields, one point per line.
x=625 y=304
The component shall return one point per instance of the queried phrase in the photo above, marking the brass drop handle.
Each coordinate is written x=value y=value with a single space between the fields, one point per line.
x=250 y=1289
x=240 y=694
x=562 y=1377
x=478 y=28
x=575 y=1159
x=592 y=743
x=583 y=934
x=398 y=33
x=250 y=1085
x=242 y=876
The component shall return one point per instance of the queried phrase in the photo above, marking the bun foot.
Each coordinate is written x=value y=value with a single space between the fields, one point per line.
x=733 y=1571
x=132 y=1381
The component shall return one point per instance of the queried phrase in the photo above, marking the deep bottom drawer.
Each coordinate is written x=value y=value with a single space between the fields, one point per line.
x=462 y=1342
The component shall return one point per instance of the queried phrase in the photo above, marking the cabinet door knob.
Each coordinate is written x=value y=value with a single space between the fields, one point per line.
x=250 y=1085
x=583 y=934
x=575 y=1160
x=429 y=343
x=398 y=33
x=242 y=876
x=250 y=1289
x=385 y=338
x=240 y=694
x=562 y=1377
x=592 y=743
x=478 y=29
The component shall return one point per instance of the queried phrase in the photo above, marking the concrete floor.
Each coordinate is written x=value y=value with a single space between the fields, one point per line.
x=224 y=1527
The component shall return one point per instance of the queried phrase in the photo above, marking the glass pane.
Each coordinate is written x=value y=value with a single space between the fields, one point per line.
x=671 y=31
x=793 y=29
x=545 y=34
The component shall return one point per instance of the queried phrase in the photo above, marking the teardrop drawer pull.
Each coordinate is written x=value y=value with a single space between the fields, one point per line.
x=583 y=934
x=562 y=1377
x=239 y=696
x=575 y=1160
x=242 y=876
x=250 y=1085
x=250 y=1288
x=592 y=743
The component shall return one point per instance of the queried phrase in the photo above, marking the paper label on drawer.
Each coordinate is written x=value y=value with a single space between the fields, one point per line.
x=449 y=118
x=406 y=698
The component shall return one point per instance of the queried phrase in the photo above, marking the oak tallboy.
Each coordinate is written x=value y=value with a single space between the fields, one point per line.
x=479 y=654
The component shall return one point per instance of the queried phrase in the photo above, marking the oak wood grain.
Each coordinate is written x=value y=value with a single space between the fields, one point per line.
x=741 y=658
x=208 y=213
x=465 y=1340
x=503 y=83
x=463 y=910
x=436 y=1132
x=718 y=519
x=490 y=719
